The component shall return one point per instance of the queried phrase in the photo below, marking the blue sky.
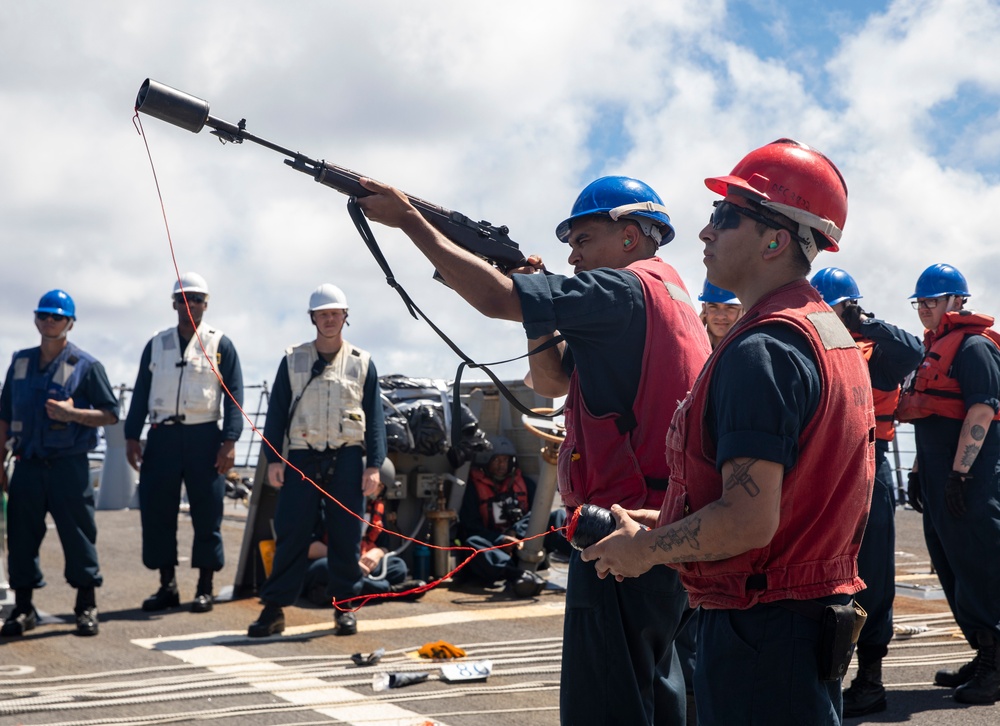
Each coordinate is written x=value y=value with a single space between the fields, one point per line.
x=502 y=111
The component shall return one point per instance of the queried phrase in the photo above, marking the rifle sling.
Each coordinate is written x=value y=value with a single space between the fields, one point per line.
x=361 y=223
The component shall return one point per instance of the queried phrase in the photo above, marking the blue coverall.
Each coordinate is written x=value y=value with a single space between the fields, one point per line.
x=298 y=502
x=52 y=473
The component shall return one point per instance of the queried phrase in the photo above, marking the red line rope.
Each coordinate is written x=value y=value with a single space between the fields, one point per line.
x=364 y=599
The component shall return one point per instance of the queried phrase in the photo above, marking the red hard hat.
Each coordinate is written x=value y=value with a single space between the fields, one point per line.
x=794 y=180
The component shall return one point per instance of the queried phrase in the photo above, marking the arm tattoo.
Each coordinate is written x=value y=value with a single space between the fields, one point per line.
x=675 y=537
x=978 y=433
x=969 y=456
x=741 y=477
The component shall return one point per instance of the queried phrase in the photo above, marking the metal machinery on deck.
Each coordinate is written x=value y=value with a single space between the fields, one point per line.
x=427 y=492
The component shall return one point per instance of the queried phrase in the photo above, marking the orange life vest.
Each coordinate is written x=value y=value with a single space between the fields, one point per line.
x=885 y=401
x=492 y=493
x=933 y=391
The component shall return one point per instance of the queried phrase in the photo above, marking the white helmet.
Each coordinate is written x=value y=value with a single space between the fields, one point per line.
x=327 y=297
x=192 y=282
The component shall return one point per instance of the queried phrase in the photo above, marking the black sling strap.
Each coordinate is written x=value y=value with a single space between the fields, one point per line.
x=361 y=223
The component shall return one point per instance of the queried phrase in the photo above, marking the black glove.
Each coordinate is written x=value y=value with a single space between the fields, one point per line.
x=913 y=491
x=853 y=316
x=954 y=493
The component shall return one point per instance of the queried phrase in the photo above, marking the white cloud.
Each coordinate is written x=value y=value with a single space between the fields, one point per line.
x=481 y=108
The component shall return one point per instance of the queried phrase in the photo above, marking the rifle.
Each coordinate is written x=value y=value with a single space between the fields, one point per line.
x=191 y=113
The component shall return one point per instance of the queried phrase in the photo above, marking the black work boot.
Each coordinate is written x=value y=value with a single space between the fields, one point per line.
x=270 y=621
x=955 y=678
x=23 y=617
x=984 y=686
x=203 y=600
x=527 y=584
x=167 y=596
x=86 y=612
x=866 y=694
x=347 y=623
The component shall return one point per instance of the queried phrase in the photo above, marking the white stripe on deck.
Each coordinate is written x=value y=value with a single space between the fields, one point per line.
x=301 y=691
x=206 y=650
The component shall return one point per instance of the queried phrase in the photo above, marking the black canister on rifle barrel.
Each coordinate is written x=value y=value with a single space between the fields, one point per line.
x=589 y=524
x=168 y=104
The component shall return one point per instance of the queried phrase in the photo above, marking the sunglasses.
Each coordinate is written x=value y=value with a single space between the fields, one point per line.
x=50 y=316
x=927 y=303
x=726 y=215
x=192 y=299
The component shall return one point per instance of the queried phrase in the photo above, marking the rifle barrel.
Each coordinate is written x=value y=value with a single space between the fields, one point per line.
x=192 y=114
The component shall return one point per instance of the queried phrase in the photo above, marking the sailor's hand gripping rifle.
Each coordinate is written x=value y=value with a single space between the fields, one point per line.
x=191 y=113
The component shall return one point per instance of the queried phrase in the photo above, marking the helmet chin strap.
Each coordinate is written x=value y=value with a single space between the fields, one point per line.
x=807 y=242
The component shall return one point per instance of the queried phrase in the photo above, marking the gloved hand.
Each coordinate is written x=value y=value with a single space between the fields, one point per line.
x=440 y=651
x=954 y=493
x=853 y=316
x=913 y=491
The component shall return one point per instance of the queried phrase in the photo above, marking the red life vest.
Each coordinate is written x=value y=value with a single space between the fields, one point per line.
x=885 y=401
x=489 y=491
x=612 y=459
x=825 y=497
x=933 y=392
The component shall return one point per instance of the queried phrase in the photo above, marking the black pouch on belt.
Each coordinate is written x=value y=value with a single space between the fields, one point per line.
x=840 y=626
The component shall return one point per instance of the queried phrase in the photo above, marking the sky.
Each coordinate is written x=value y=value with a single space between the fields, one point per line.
x=503 y=111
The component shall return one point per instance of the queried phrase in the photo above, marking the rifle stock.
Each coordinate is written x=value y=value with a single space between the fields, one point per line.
x=192 y=114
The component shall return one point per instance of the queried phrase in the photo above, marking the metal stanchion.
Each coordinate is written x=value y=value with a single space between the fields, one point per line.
x=532 y=552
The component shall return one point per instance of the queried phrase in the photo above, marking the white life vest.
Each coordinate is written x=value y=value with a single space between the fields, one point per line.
x=326 y=410
x=185 y=385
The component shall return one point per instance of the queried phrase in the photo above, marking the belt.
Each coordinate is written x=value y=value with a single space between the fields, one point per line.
x=169 y=421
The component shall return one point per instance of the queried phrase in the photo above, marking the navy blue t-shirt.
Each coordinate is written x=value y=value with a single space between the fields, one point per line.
x=897 y=353
x=602 y=314
x=764 y=390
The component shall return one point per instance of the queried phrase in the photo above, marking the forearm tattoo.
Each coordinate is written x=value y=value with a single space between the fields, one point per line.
x=978 y=433
x=686 y=534
x=741 y=477
x=970 y=454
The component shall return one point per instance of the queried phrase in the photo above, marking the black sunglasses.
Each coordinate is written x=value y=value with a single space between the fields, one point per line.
x=51 y=316
x=726 y=215
x=192 y=299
